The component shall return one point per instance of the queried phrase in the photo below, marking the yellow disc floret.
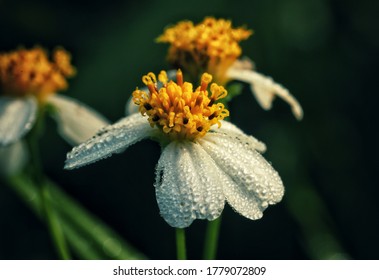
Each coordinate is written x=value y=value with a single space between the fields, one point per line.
x=178 y=110
x=25 y=72
x=211 y=46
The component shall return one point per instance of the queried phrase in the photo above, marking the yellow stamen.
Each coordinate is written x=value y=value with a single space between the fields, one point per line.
x=162 y=77
x=179 y=77
x=177 y=110
x=24 y=72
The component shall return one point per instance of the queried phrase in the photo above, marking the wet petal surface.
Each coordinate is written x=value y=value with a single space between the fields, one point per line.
x=110 y=139
x=188 y=185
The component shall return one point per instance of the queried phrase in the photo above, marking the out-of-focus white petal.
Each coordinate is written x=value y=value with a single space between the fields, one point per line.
x=110 y=139
x=13 y=158
x=265 y=89
x=188 y=185
x=17 y=116
x=230 y=130
x=76 y=121
x=255 y=183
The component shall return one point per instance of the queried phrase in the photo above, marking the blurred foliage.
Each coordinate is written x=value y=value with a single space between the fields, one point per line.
x=324 y=51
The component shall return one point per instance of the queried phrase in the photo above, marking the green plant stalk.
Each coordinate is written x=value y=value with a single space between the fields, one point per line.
x=39 y=178
x=92 y=227
x=211 y=239
x=181 y=244
x=87 y=235
x=29 y=193
x=54 y=224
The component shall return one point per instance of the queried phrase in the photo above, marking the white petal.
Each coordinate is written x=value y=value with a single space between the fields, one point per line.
x=13 y=158
x=232 y=131
x=111 y=139
x=17 y=116
x=76 y=121
x=265 y=89
x=256 y=183
x=188 y=185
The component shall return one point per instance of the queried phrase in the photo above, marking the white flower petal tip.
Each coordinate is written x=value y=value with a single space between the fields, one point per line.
x=265 y=89
x=12 y=158
x=250 y=183
x=76 y=121
x=188 y=185
x=17 y=116
x=111 y=139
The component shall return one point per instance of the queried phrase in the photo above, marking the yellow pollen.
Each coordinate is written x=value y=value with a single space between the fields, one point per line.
x=25 y=72
x=178 y=110
x=211 y=46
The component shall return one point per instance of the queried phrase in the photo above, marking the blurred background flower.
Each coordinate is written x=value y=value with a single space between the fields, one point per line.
x=324 y=51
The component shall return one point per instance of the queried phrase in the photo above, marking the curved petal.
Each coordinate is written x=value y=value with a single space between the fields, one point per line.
x=255 y=183
x=76 y=121
x=111 y=139
x=187 y=185
x=230 y=130
x=17 y=116
x=12 y=158
x=265 y=89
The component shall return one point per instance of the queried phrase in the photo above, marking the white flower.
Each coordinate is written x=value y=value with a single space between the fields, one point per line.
x=28 y=80
x=205 y=161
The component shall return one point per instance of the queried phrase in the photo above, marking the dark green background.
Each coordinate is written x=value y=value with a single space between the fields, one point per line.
x=324 y=51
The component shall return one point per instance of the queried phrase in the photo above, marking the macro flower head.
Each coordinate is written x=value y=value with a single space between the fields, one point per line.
x=213 y=46
x=205 y=160
x=30 y=72
x=29 y=80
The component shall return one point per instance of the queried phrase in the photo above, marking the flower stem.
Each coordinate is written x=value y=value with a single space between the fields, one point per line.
x=86 y=234
x=54 y=224
x=211 y=239
x=50 y=215
x=181 y=244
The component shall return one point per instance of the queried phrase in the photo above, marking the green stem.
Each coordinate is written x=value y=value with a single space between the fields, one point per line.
x=88 y=236
x=50 y=215
x=54 y=224
x=211 y=239
x=181 y=244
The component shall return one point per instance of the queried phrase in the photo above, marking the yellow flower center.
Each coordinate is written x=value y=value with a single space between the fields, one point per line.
x=178 y=110
x=211 y=46
x=25 y=72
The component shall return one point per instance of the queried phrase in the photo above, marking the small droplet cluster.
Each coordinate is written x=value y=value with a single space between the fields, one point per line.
x=111 y=139
x=188 y=185
x=250 y=184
